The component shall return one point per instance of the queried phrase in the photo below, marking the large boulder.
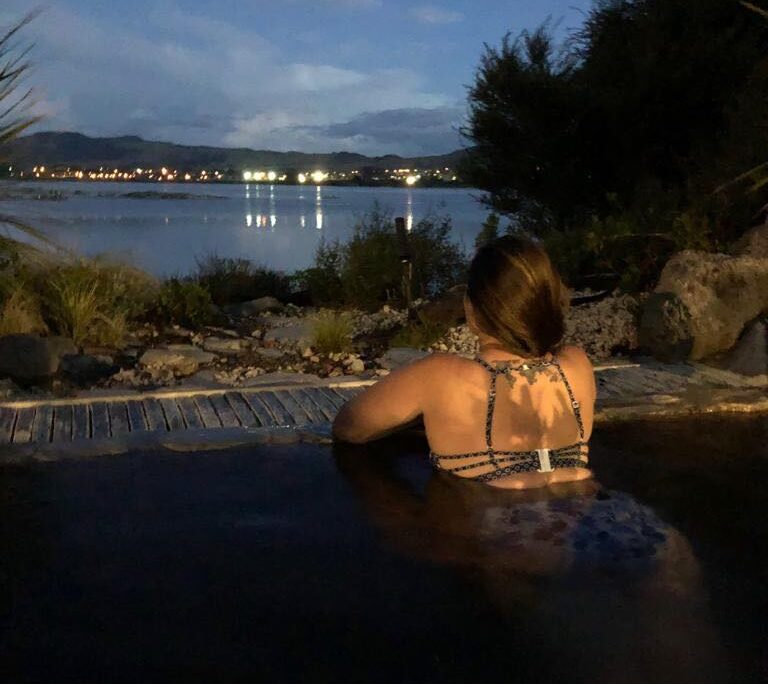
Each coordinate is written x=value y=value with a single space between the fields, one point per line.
x=298 y=331
x=255 y=307
x=220 y=345
x=180 y=359
x=29 y=357
x=708 y=298
x=665 y=327
x=753 y=243
x=86 y=369
x=750 y=355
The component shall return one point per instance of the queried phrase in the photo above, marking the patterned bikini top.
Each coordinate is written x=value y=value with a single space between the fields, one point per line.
x=494 y=464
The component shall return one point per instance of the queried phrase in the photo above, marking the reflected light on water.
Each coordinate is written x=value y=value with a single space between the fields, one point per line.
x=249 y=220
x=409 y=212
x=319 y=208
x=303 y=221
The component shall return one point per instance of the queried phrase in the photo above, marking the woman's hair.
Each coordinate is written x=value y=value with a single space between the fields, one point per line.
x=517 y=296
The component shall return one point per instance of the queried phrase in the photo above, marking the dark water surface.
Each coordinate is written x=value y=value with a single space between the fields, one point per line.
x=296 y=563
x=279 y=226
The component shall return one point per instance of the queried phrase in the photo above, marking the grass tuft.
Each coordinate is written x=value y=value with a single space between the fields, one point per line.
x=332 y=333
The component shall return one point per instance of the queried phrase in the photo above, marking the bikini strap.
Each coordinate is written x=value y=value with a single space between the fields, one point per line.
x=495 y=372
x=574 y=404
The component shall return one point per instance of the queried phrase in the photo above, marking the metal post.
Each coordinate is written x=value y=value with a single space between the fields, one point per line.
x=404 y=250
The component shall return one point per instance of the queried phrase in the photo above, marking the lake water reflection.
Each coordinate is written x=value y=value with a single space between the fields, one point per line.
x=276 y=225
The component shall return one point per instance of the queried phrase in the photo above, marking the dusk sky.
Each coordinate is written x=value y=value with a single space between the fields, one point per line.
x=369 y=76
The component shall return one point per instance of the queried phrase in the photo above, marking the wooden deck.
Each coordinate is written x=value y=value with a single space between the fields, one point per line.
x=65 y=421
x=625 y=391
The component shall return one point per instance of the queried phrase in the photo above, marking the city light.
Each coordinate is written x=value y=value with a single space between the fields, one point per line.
x=247 y=176
x=412 y=180
x=302 y=178
x=319 y=176
x=271 y=176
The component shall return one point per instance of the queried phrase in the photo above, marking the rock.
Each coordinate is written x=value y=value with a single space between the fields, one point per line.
x=298 y=331
x=8 y=389
x=307 y=353
x=219 y=345
x=603 y=327
x=400 y=356
x=753 y=243
x=29 y=357
x=356 y=366
x=181 y=359
x=255 y=307
x=204 y=379
x=665 y=327
x=447 y=310
x=721 y=293
x=270 y=352
x=750 y=355
x=279 y=378
x=84 y=369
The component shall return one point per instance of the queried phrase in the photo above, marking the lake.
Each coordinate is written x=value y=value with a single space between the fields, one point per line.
x=278 y=226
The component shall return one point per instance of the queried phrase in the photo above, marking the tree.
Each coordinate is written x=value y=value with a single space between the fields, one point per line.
x=648 y=109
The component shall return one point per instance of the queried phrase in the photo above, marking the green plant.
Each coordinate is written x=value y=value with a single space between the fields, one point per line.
x=73 y=306
x=372 y=270
x=184 y=302
x=20 y=313
x=231 y=281
x=332 y=332
x=489 y=231
x=323 y=278
x=420 y=334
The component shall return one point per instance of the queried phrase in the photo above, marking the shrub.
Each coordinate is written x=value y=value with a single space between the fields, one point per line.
x=92 y=300
x=20 y=313
x=231 y=281
x=332 y=332
x=184 y=302
x=73 y=306
x=489 y=231
x=323 y=279
x=372 y=271
x=419 y=335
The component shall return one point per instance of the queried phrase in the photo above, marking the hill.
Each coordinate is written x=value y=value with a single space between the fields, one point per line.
x=56 y=149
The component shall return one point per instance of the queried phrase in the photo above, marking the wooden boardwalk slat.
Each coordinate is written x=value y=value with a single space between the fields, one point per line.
x=7 y=419
x=118 y=418
x=62 y=423
x=81 y=422
x=155 y=415
x=258 y=407
x=136 y=416
x=299 y=415
x=209 y=416
x=25 y=422
x=304 y=399
x=190 y=413
x=324 y=405
x=224 y=411
x=172 y=415
x=281 y=416
x=243 y=411
x=333 y=397
x=100 y=420
x=43 y=430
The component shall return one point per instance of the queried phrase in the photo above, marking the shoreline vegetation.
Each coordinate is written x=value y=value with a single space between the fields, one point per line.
x=97 y=324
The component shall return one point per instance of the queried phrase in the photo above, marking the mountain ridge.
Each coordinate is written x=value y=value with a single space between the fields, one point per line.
x=62 y=148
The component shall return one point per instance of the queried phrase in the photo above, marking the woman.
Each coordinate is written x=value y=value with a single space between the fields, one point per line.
x=517 y=416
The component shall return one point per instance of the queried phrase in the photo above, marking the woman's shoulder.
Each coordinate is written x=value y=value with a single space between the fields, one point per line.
x=577 y=366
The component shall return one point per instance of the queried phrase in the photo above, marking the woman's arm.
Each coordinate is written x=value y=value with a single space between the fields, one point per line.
x=390 y=404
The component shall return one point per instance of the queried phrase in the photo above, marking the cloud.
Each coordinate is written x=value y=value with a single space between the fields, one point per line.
x=414 y=131
x=431 y=14
x=194 y=80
